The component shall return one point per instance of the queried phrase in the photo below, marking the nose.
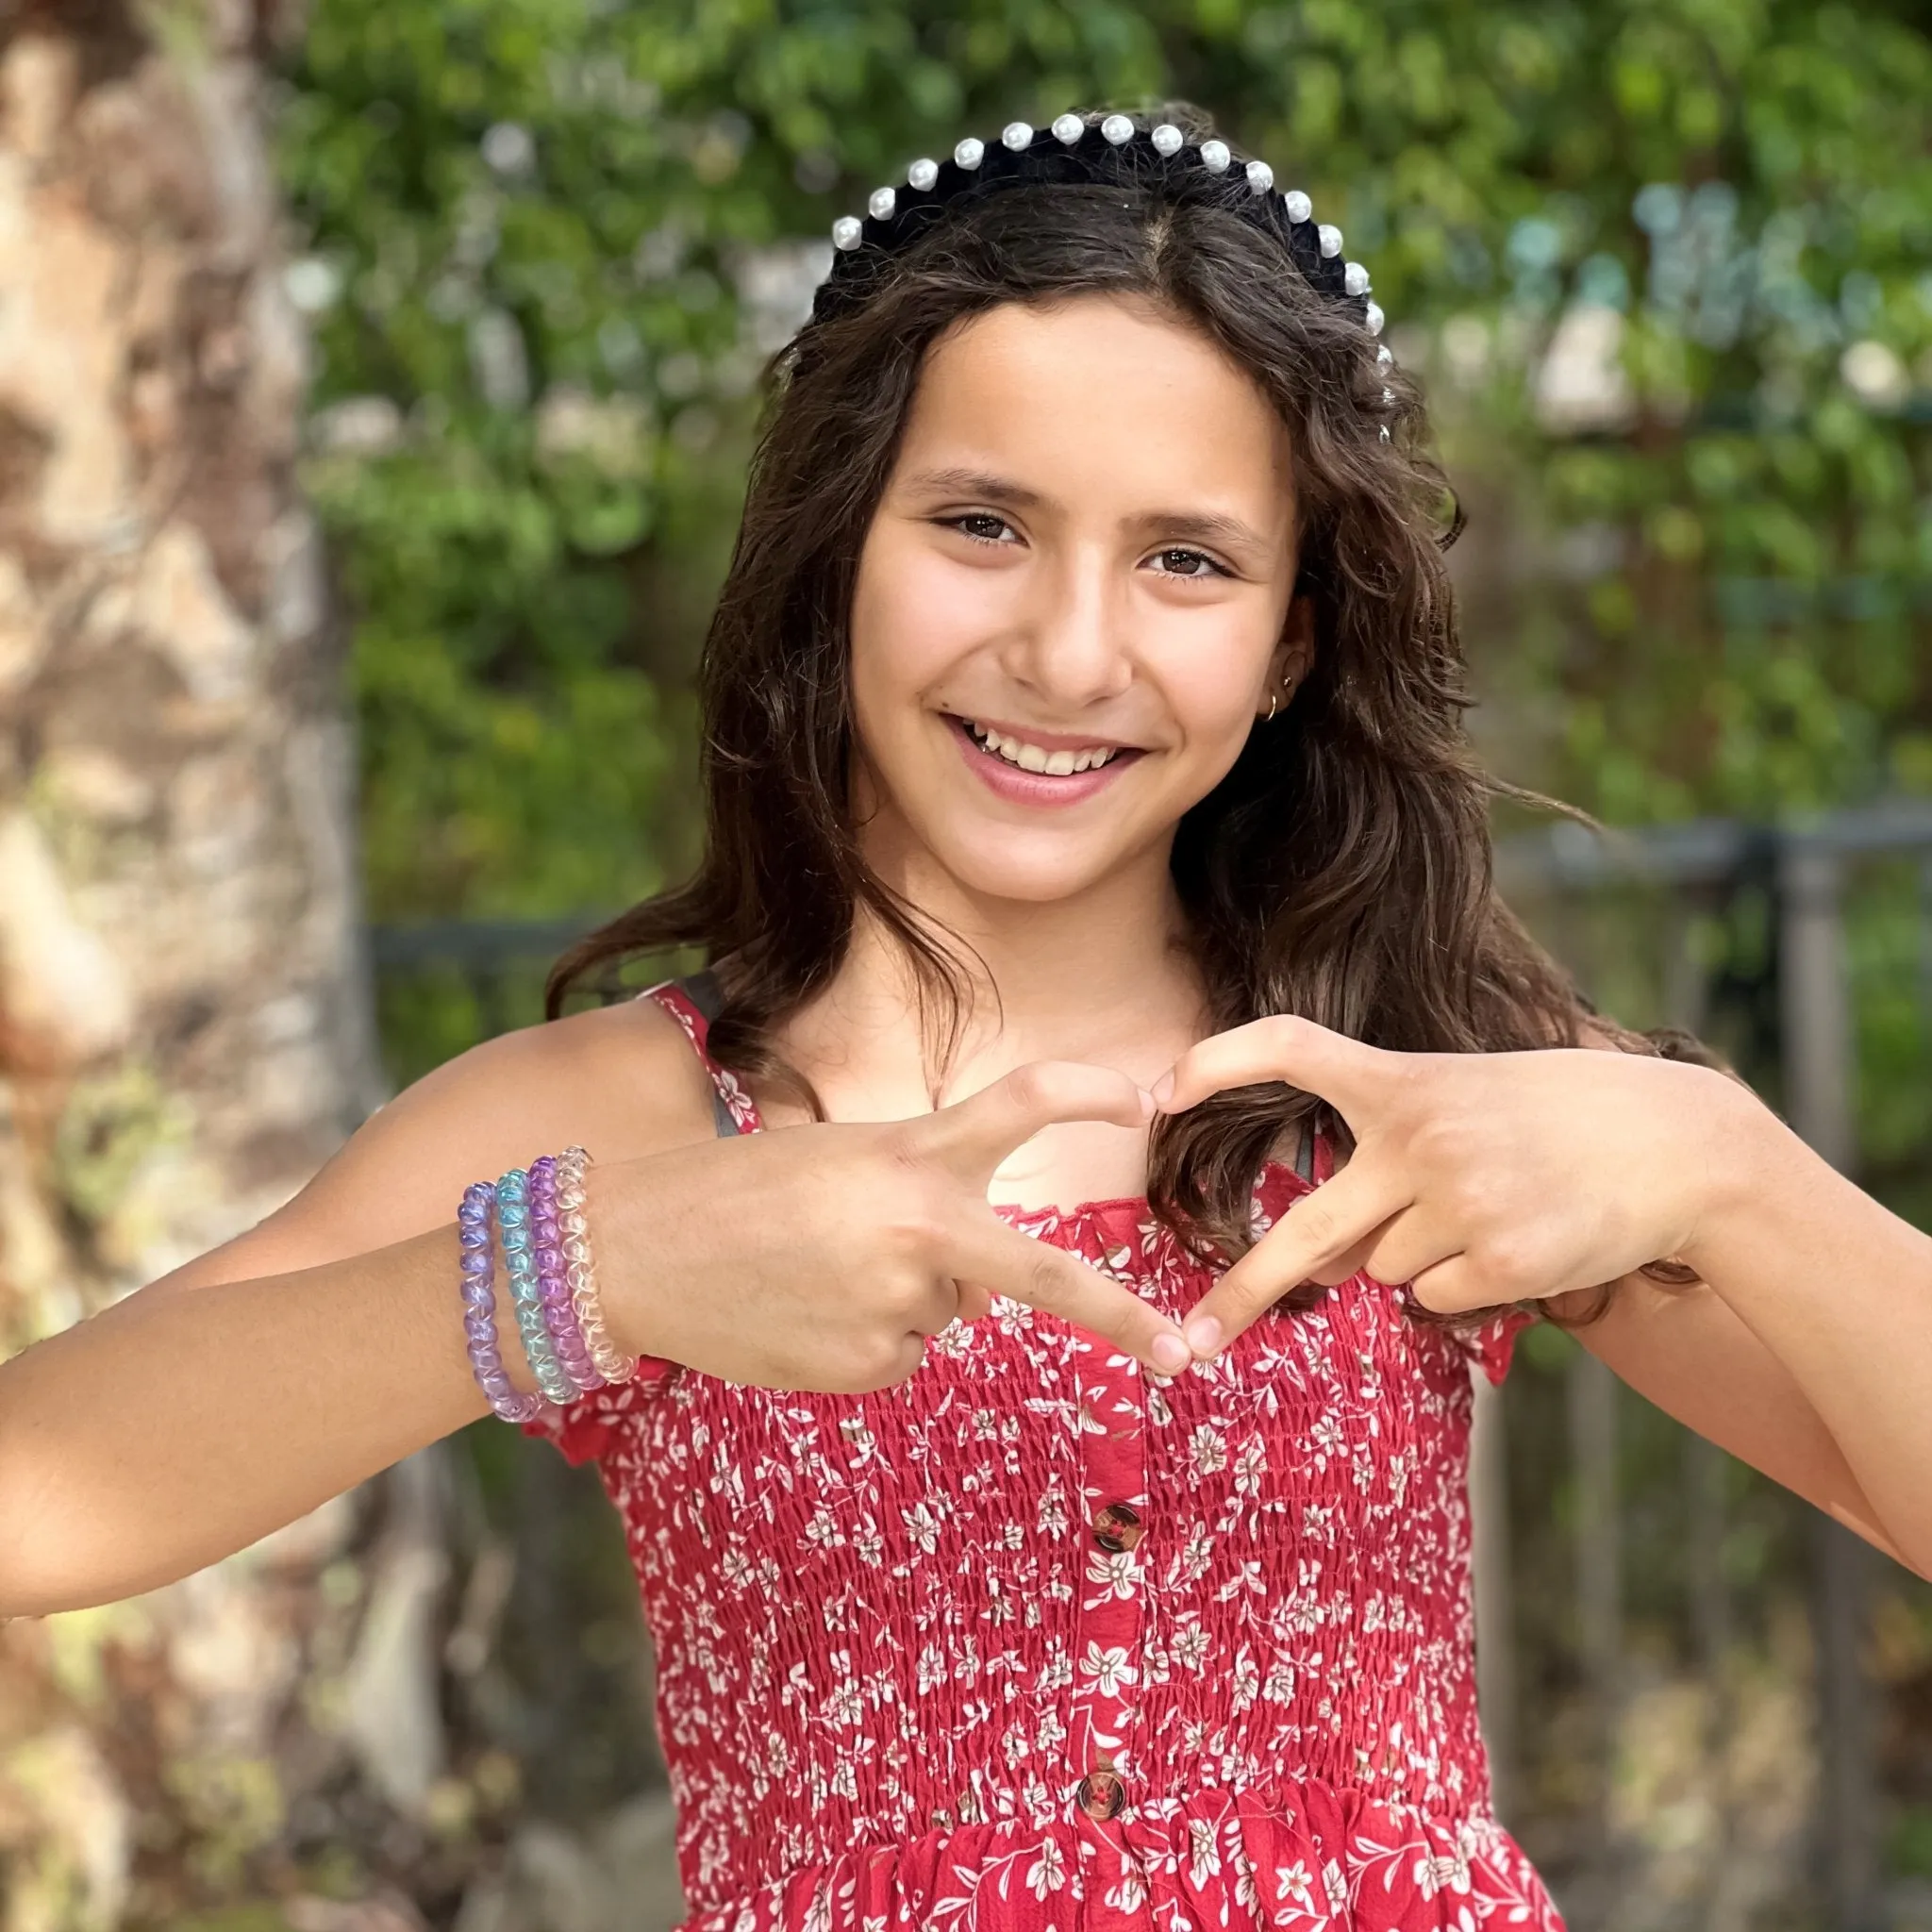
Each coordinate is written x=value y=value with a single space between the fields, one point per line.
x=1071 y=646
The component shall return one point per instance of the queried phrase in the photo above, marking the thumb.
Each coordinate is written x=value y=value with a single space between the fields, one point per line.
x=977 y=1133
x=1283 y=1047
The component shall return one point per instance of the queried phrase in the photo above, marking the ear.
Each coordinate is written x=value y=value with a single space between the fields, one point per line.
x=1295 y=653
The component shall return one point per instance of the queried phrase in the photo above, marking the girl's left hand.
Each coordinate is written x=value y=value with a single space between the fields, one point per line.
x=1479 y=1178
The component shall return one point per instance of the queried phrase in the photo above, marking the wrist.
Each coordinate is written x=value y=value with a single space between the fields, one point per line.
x=611 y=1207
x=1746 y=1163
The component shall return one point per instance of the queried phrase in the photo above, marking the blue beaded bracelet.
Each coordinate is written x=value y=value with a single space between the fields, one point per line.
x=527 y=1287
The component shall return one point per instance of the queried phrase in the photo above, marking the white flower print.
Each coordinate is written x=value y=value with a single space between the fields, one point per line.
x=1191 y=1645
x=923 y=1526
x=845 y=1705
x=1107 y=1668
x=1209 y=1453
x=1436 y=1874
x=1048 y=1872
x=1204 y=1854
x=1244 y=1683
x=1335 y=1884
x=1295 y=1886
x=1118 y=1572
x=1247 y=1577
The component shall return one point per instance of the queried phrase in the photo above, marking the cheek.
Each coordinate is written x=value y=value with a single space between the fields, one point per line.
x=1209 y=689
x=914 y=617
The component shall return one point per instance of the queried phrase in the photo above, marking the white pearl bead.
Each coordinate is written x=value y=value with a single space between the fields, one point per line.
x=922 y=175
x=1385 y=356
x=1298 y=205
x=1331 y=237
x=1388 y=395
x=1374 y=318
x=969 y=153
x=1117 y=128
x=1215 y=157
x=1261 y=177
x=1016 y=135
x=1355 y=278
x=1167 y=139
x=882 y=204
x=847 y=231
x=1068 y=128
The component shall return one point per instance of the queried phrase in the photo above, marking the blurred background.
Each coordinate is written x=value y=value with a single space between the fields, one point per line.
x=377 y=381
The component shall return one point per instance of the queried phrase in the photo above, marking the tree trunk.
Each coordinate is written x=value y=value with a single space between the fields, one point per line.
x=184 y=1011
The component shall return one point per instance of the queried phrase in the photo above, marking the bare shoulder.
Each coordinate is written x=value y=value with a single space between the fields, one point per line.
x=620 y=1080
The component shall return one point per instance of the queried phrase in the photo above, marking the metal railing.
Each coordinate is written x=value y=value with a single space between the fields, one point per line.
x=1792 y=1005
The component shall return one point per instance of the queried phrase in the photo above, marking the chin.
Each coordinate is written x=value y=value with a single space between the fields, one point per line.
x=1002 y=867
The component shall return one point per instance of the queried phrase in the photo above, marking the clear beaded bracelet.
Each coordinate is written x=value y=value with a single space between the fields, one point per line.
x=581 y=1273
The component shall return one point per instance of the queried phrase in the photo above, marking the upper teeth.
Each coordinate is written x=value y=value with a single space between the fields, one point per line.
x=1033 y=758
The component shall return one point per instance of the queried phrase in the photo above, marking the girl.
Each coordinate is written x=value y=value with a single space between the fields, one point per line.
x=1090 y=823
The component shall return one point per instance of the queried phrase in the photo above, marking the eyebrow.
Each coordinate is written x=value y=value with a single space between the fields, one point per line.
x=1207 y=526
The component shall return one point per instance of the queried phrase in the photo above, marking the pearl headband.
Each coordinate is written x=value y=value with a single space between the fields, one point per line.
x=1075 y=148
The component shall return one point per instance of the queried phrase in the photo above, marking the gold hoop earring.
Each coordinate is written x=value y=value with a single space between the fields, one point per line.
x=1273 y=700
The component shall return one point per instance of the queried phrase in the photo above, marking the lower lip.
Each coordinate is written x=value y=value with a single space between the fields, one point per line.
x=1035 y=788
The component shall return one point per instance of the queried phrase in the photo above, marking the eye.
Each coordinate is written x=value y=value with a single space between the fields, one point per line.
x=1174 y=561
x=974 y=516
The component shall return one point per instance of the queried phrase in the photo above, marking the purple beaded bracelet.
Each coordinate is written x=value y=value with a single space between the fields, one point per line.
x=476 y=1237
x=559 y=1311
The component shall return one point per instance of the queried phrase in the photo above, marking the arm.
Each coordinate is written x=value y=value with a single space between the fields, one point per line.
x=1807 y=1350
x=234 y=1397
x=1486 y=1178
x=243 y=1390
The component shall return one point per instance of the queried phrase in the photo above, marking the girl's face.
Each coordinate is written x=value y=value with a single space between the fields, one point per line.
x=1074 y=599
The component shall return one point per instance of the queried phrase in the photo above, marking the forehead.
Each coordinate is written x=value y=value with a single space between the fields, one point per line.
x=1102 y=399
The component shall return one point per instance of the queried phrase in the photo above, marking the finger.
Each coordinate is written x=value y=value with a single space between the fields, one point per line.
x=1317 y=1231
x=1340 y=1070
x=1043 y=1277
x=938 y=1307
x=974 y=1301
x=1403 y=1247
x=977 y=1133
x=1453 y=1286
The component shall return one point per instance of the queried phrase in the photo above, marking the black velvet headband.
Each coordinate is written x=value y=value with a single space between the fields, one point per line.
x=1105 y=151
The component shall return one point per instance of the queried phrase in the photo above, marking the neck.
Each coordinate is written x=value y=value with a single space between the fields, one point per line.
x=1101 y=974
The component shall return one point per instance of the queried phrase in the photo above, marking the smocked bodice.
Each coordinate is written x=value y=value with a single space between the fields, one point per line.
x=1039 y=1637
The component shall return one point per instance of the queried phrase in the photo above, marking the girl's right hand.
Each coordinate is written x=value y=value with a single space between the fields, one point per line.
x=821 y=1257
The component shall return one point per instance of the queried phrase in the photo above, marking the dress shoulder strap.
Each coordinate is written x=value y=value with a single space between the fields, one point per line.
x=693 y=1003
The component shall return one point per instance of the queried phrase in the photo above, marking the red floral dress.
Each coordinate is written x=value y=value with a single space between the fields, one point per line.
x=1038 y=1640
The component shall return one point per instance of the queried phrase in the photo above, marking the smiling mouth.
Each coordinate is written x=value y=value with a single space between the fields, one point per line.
x=1025 y=757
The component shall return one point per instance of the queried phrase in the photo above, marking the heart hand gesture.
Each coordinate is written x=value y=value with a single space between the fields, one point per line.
x=1479 y=1178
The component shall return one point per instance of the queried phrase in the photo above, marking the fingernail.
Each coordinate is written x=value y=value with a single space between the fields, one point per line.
x=1171 y=1354
x=1204 y=1336
x=1162 y=1089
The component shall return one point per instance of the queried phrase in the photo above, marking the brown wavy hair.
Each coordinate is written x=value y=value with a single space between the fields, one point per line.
x=1342 y=869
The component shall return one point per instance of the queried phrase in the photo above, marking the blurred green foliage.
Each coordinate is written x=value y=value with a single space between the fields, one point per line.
x=550 y=240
